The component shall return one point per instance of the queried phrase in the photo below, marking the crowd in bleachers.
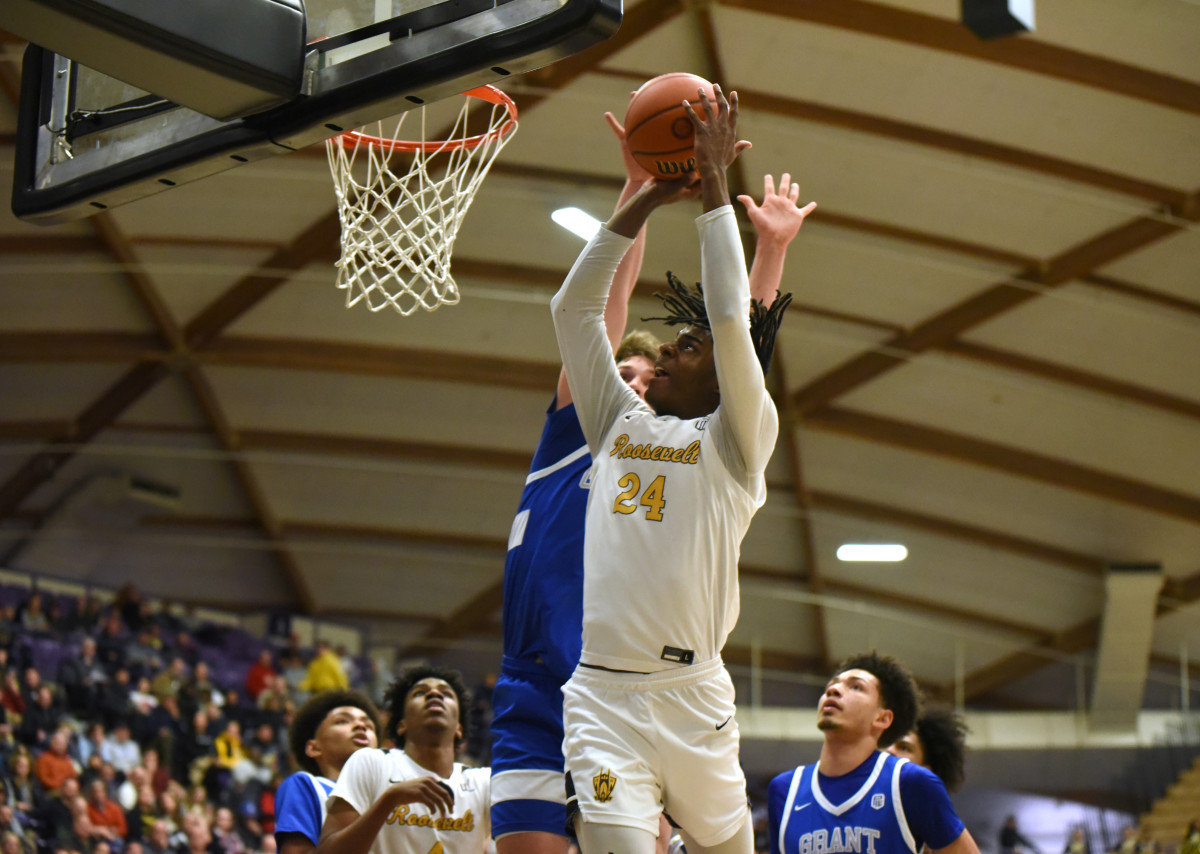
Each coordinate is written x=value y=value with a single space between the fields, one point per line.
x=126 y=729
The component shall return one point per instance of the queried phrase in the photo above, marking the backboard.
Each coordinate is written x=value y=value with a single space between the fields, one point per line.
x=87 y=142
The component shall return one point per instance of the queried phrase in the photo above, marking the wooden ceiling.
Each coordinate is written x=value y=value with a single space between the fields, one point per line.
x=991 y=356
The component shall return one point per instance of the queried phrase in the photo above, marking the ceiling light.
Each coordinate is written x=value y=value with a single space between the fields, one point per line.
x=872 y=552
x=577 y=222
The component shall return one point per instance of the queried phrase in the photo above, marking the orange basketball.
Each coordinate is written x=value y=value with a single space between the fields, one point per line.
x=657 y=128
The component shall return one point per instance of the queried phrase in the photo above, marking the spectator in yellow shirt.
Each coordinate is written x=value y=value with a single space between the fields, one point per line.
x=325 y=672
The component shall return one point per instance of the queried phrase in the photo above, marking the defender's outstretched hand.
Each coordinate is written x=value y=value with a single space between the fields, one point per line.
x=778 y=219
x=633 y=170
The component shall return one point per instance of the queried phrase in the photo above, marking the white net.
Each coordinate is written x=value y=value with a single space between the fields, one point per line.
x=401 y=205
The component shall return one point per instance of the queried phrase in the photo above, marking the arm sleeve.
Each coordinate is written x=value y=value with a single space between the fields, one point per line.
x=931 y=816
x=747 y=415
x=297 y=809
x=599 y=394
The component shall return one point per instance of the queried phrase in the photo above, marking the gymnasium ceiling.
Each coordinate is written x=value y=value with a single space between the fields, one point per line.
x=991 y=357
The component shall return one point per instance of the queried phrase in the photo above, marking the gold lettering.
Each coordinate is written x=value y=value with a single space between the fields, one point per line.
x=622 y=449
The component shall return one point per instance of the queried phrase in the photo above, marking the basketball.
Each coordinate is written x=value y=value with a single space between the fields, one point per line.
x=657 y=128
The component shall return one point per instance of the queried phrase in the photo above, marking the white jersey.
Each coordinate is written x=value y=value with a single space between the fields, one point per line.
x=413 y=828
x=670 y=500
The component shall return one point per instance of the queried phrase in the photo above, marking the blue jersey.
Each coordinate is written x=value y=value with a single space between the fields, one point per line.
x=884 y=806
x=300 y=805
x=543 y=573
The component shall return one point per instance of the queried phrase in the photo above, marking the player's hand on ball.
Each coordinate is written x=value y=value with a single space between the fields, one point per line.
x=717 y=145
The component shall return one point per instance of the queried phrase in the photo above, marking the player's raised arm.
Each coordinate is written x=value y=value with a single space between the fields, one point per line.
x=616 y=310
x=776 y=222
x=746 y=408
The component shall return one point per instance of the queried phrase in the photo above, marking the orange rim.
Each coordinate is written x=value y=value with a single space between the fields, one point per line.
x=353 y=138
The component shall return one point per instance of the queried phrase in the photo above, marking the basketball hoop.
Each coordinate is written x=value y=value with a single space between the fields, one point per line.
x=399 y=224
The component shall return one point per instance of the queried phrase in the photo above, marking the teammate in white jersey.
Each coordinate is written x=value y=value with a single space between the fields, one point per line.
x=649 y=711
x=414 y=799
x=326 y=731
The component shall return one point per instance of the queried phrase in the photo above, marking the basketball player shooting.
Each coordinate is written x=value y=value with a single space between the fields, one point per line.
x=543 y=573
x=648 y=713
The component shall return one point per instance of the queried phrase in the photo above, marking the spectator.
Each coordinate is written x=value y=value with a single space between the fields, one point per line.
x=82 y=748
x=62 y=621
x=81 y=677
x=115 y=703
x=54 y=767
x=186 y=649
x=199 y=692
x=259 y=676
x=105 y=814
x=157 y=839
x=60 y=816
x=1077 y=843
x=325 y=672
x=121 y=750
x=81 y=822
x=110 y=649
x=24 y=791
x=129 y=790
x=226 y=834
x=143 y=657
x=31 y=682
x=31 y=615
x=198 y=837
x=238 y=710
x=41 y=719
x=1011 y=840
x=128 y=605
x=169 y=728
x=8 y=628
x=263 y=746
x=170 y=682
x=12 y=843
x=292 y=668
x=12 y=698
x=1128 y=843
x=196 y=744
x=156 y=774
x=140 y=818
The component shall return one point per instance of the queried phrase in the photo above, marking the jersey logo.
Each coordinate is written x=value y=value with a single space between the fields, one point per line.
x=604 y=783
x=586 y=481
x=877 y=801
x=700 y=423
x=803 y=806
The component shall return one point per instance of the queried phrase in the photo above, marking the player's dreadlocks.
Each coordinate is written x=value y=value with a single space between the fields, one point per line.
x=685 y=306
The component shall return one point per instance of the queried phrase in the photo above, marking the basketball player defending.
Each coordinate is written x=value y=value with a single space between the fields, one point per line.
x=857 y=798
x=648 y=712
x=543 y=576
x=327 y=730
x=415 y=799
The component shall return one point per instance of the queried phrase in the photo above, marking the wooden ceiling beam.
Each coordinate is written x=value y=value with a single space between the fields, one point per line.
x=1099 y=383
x=373 y=448
x=845 y=505
x=894 y=129
x=367 y=359
x=1009 y=460
x=49 y=244
x=1026 y=54
x=81 y=346
x=1004 y=296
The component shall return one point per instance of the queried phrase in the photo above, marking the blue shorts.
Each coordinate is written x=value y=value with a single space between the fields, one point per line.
x=528 y=792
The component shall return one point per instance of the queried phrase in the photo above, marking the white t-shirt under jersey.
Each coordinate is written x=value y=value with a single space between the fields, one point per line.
x=670 y=500
x=414 y=828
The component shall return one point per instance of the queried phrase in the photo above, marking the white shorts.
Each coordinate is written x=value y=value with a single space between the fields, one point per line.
x=637 y=745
